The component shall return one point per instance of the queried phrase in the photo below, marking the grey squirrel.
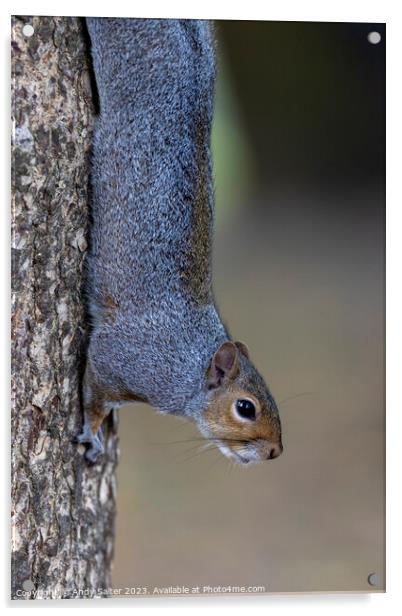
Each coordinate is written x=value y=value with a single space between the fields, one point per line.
x=156 y=333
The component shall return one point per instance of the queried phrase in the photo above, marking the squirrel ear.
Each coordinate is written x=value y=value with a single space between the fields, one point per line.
x=243 y=348
x=224 y=364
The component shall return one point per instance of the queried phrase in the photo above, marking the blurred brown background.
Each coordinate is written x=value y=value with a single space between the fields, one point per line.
x=299 y=275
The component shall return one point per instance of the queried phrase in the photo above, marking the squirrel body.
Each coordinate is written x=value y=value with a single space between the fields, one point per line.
x=156 y=332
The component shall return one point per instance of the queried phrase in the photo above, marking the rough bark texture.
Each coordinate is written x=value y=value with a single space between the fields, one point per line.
x=62 y=508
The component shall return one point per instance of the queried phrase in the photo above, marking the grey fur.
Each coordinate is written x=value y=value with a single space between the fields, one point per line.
x=152 y=205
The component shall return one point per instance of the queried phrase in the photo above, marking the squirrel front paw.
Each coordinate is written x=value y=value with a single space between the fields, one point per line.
x=94 y=443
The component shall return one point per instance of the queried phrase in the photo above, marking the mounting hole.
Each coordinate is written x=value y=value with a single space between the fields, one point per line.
x=374 y=38
x=28 y=30
x=373 y=579
x=28 y=585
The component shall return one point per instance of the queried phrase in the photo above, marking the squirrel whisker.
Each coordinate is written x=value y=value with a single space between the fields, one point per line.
x=304 y=393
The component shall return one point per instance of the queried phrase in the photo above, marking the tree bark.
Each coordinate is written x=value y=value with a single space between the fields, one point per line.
x=62 y=509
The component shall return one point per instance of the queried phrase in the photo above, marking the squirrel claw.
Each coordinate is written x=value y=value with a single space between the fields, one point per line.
x=95 y=442
x=95 y=451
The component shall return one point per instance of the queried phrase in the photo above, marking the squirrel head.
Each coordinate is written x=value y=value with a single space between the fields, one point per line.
x=241 y=416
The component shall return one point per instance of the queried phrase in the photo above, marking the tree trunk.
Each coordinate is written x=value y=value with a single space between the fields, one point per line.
x=62 y=509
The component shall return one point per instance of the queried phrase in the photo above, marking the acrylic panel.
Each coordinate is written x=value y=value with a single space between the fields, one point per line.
x=294 y=165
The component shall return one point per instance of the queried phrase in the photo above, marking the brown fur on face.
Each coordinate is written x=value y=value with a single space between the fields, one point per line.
x=238 y=434
x=231 y=376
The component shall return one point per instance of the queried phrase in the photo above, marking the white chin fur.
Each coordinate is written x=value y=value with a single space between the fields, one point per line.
x=250 y=458
x=237 y=458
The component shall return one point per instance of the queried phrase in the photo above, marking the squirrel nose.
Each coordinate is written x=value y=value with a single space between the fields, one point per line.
x=274 y=450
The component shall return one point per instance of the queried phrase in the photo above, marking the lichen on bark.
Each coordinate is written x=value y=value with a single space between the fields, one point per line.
x=62 y=509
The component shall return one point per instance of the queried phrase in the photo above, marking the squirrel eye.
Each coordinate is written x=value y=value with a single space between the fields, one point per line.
x=246 y=409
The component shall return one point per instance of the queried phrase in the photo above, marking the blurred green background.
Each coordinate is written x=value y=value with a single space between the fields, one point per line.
x=299 y=162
